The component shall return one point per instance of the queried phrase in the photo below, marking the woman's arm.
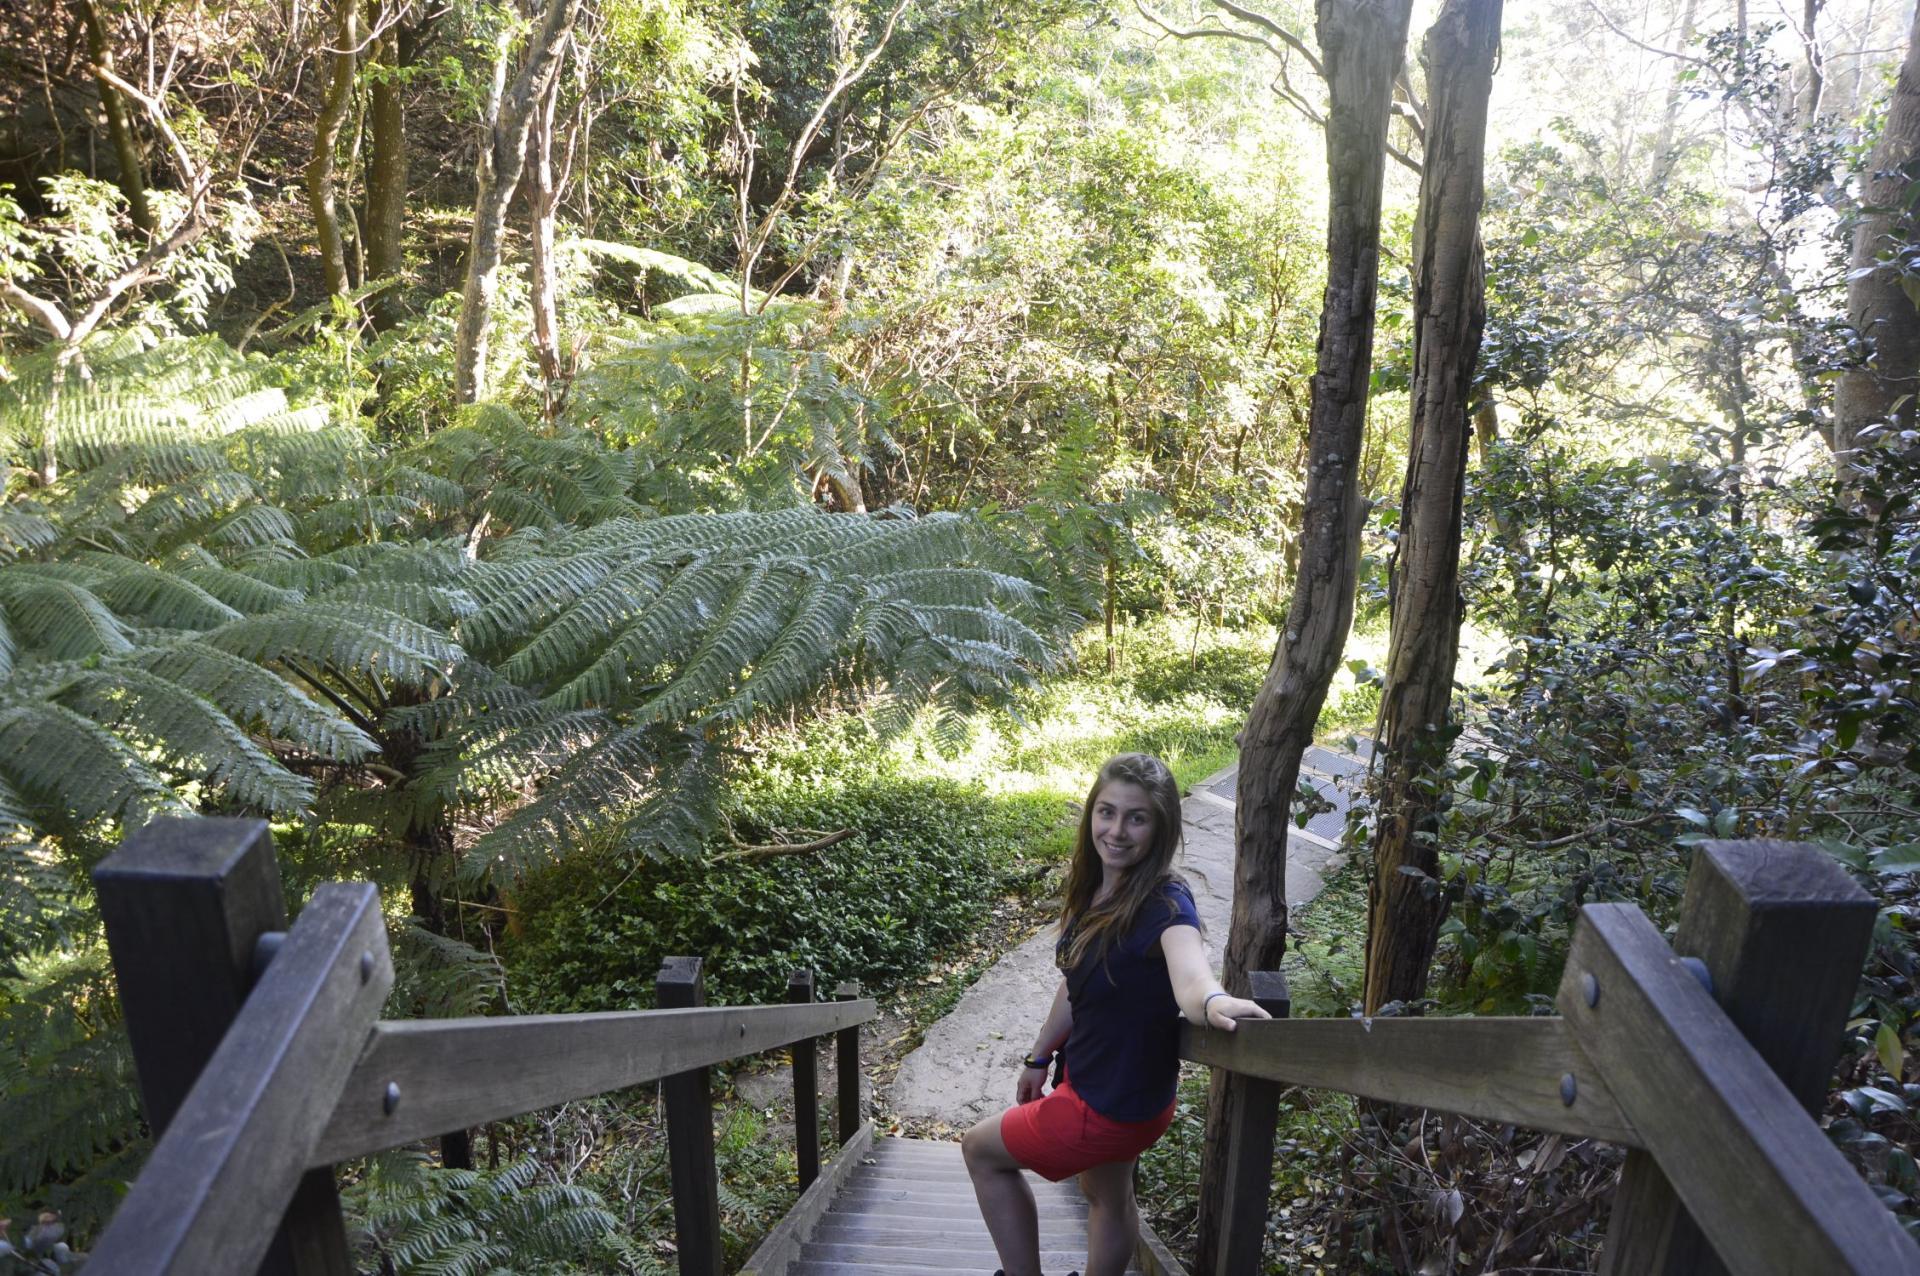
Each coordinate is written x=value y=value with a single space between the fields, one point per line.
x=1053 y=1035
x=1201 y=998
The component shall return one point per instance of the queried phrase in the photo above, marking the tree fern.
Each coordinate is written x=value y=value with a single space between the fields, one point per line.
x=438 y=977
x=427 y=1221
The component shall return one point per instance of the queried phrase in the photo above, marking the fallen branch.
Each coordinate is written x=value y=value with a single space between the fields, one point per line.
x=747 y=852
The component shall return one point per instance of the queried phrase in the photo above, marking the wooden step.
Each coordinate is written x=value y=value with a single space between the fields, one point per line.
x=1062 y=1260
x=906 y=1207
x=897 y=1269
x=854 y=1229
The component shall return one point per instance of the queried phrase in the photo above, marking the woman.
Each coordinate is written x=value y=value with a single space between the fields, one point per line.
x=1133 y=966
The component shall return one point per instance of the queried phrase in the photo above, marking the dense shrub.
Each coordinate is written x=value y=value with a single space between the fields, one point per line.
x=914 y=877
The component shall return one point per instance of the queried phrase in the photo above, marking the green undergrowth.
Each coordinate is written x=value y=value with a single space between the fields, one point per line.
x=922 y=857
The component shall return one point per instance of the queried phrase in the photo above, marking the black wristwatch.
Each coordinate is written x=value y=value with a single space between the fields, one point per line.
x=1042 y=1064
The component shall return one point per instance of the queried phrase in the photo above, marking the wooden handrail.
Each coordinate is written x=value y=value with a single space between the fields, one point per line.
x=1764 y=1182
x=463 y=1072
x=232 y=1156
x=1498 y=1069
x=296 y=1075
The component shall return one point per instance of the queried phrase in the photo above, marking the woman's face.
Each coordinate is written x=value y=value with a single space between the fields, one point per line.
x=1122 y=826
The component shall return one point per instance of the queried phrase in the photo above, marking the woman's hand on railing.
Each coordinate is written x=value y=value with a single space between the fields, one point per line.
x=1223 y=1010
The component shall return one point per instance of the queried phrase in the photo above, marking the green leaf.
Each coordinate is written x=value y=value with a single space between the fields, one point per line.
x=1886 y=1044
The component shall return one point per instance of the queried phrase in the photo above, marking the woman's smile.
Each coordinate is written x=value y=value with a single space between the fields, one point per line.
x=1122 y=826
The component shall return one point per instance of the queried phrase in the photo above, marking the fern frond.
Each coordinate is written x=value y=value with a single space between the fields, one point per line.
x=747 y=624
x=516 y=597
x=438 y=977
x=244 y=592
x=569 y=640
x=190 y=732
x=58 y=617
x=346 y=637
x=664 y=628
x=620 y=772
x=64 y=762
x=257 y=699
x=167 y=600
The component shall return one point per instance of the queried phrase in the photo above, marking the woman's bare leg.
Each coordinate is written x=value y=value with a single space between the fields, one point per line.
x=1113 y=1219
x=1005 y=1199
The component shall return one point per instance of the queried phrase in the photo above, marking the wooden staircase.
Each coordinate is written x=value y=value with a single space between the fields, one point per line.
x=904 y=1207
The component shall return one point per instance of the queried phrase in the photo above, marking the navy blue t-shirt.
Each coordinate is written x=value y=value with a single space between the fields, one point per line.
x=1122 y=1053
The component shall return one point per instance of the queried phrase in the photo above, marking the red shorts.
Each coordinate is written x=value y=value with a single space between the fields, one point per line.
x=1058 y=1136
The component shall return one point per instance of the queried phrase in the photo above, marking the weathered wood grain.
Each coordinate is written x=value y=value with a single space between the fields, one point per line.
x=1782 y=930
x=238 y=1145
x=806 y=1087
x=186 y=902
x=1497 y=1069
x=1769 y=1190
x=458 y=1072
x=847 y=1065
x=1250 y=1123
x=688 y=1100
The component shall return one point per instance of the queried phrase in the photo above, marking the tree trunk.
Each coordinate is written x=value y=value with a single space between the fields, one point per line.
x=387 y=168
x=326 y=144
x=543 y=208
x=1878 y=305
x=1816 y=63
x=133 y=176
x=503 y=156
x=1664 y=152
x=1405 y=906
x=1361 y=43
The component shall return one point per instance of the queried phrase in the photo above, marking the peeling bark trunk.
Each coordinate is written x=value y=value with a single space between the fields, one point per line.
x=1405 y=906
x=1362 y=43
x=326 y=142
x=1878 y=305
x=503 y=157
x=126 y=151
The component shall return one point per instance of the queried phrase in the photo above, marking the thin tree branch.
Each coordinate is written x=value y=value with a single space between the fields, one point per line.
x=1278 y=31
x=803 y=143
x=746 y=851
x=1218 y=32
x=192 y=175
x=42 y=312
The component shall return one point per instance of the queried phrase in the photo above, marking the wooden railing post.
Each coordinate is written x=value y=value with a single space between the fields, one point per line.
x=1250 y=1129
x=847 y=1064
x=681 y=985
x=1781 y=931
x=806 y=1088
x=186 y=903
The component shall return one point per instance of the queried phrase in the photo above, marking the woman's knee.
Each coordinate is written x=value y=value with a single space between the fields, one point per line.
x=982 y=1148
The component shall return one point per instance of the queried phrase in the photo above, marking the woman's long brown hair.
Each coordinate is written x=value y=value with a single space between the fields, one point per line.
x=1092 y=928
